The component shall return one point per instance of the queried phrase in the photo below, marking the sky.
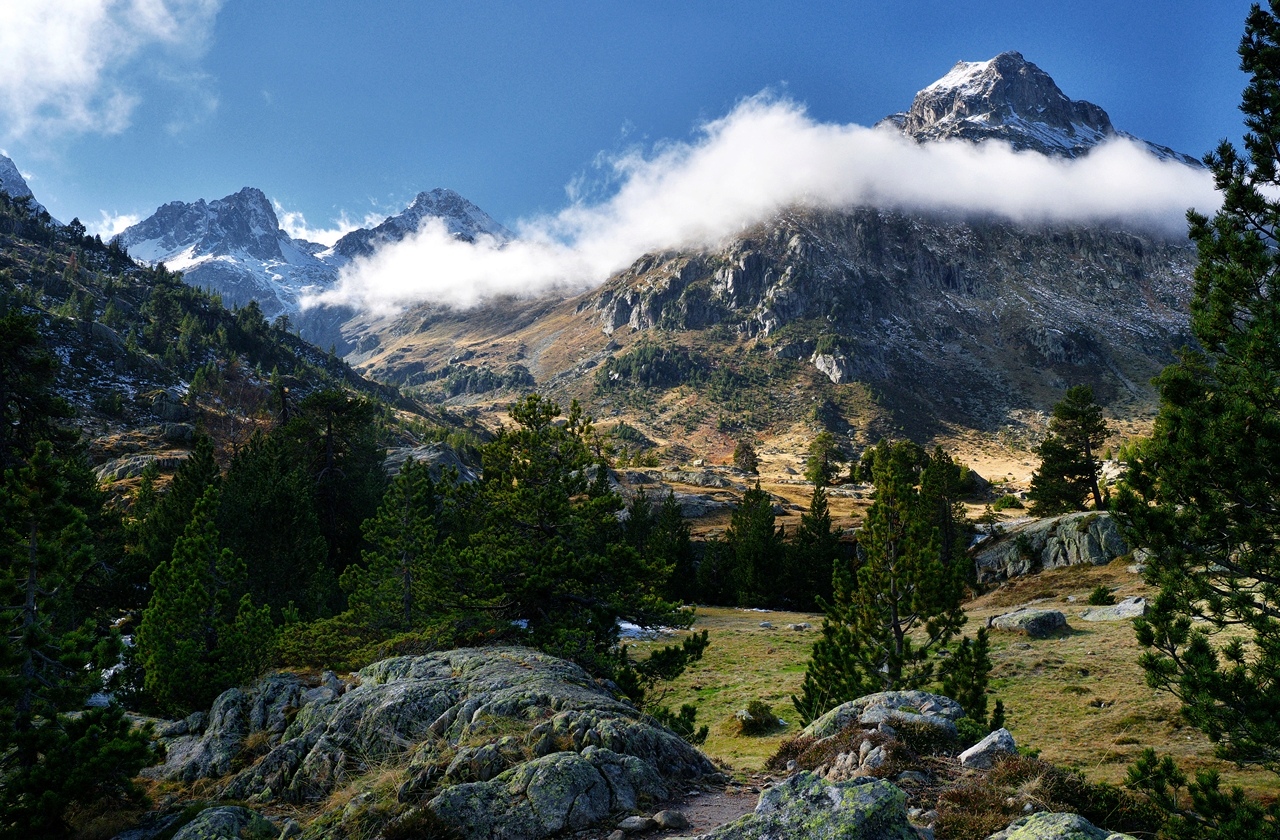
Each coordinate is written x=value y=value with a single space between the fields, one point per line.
x=341 y=112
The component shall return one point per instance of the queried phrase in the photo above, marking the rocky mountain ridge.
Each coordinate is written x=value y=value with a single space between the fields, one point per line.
x=234 y=246
x=1008 y=98
x=12 y=182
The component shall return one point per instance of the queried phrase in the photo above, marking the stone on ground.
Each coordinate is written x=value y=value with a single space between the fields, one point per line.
x=809 y=807
x=1047 y=826
x=987 y=751
x=1033 y=622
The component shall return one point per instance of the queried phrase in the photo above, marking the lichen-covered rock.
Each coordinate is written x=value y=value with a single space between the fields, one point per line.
x=1090 y=537
x=809 y=807
x=1046 y=826
x=888 y=706
x=1035 y=623
x=558 y=792
x=228 y=823
x=452 y=720
x=985 y=753
x=208 y=754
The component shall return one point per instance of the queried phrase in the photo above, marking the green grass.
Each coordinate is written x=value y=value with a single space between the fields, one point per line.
x=1080 y=698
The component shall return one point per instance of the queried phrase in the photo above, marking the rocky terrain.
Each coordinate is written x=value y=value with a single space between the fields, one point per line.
x=511 y=744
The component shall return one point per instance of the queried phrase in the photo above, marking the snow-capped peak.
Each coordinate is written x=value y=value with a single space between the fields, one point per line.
x=1008 y=98
x=461 y=218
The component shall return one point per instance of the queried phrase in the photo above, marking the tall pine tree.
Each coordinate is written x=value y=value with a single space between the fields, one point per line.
x=1069 y=465
x=48 y=666
x=201 y=632
x=406 y=570
x=884 y=631
x=1203 y=495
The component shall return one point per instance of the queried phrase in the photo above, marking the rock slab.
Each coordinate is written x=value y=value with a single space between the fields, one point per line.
x=1035 y=623
x=1129 y=608
x=1091 y=537
x=985 y=753
x=890 y=707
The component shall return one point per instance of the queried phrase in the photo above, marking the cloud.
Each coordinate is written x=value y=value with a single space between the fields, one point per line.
x=766 y=155
x=295 y=224
x=63 y=63
x=112 y=224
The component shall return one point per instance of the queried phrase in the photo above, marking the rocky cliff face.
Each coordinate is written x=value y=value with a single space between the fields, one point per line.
x=961 y=317
x=1070 y=540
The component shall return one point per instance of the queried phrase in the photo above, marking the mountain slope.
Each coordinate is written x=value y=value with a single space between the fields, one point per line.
x=880 y=322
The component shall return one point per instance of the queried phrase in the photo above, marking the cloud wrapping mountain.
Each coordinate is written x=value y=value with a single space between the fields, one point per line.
x=767 y=154
x=63 y=63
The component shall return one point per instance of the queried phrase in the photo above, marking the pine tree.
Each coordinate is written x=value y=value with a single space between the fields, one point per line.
x=965 y=675
x=550 y=552
x=1202 y=494
x=671 y=542
x=820 y=466
x=48 y=667
x=883 y=632
x=757 y=550
x=267 y=517
x=160 y=519
x=941 y=490
x=197 y=638
x=745 y=458
x=812 y=554
x=404 y=573
x=1069 y=464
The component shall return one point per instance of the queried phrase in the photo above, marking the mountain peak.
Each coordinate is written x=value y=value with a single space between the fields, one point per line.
x=1011 y=99
x=464 y=221
x=1006 y=98
x=12 y=182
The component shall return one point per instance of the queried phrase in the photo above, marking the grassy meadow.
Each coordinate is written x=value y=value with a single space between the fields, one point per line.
x=1078 y=697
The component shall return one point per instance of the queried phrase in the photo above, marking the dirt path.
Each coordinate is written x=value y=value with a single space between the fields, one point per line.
x=705 y=809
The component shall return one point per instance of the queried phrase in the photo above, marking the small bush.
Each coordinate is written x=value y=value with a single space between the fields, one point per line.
x=1101 y=597
x=759 y=720
x=982 y=804
x=1006 y=502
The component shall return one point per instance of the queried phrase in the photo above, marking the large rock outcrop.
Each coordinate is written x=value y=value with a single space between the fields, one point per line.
x=889 y=707
x=1075 y=538
x=497 y=742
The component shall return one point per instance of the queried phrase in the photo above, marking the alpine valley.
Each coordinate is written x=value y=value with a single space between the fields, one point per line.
x=427 y=574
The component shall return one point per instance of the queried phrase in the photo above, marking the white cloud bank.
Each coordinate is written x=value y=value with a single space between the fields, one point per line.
x=768 y=154
x=62 y=61
x=295 y=224
x=112 y=224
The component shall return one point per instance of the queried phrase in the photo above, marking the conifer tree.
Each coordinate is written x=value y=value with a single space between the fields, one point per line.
x=671 y=543
x=883 y=632
x=1069 y=464
x=197 y=638
x=404 y=572
x=1203 y=495
x=820 y=466
x=812 y=554
x=745 y=458
x=550 y=552
x=160 y=519
x=267 y=518
x=756 y=548
x=48 y=667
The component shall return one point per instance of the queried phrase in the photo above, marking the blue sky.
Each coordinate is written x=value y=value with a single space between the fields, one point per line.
x=348 y=109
